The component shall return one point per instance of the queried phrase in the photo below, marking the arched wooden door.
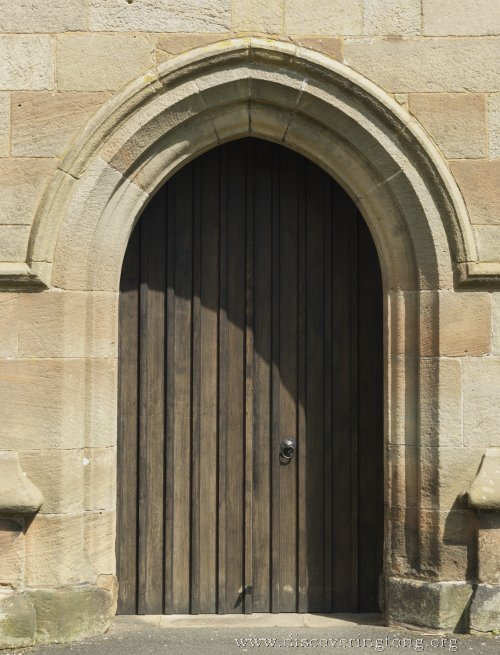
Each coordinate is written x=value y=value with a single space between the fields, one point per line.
x=250 y=314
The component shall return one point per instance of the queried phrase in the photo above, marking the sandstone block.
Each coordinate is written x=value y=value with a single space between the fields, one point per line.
x=258 y=16
x=8 y=335
x=495 y=303
x=26 y=62
x=12 y=549
x=160 y=15
x=55 y=551
x=479 y=182
x=173 y=44
x=100 y=478
x=485 y=609
x=22 y=182
x=488 y=242
x=441 y=402
x=489 y=547
x=42 y=16
x=494 y=125
x=100 y=536
x=468 y=17
x=456 y=121
x=464 y=323
x=434 y=64
x=59 y=475
x=4 y=124
x=17 y=620
x=329 y=45
x=18 y=494
x=481 y=388
x=387 y=17
x=330 y=17
x=57 y=403
x=44 y=123
x=100 y=62
x=13 y=242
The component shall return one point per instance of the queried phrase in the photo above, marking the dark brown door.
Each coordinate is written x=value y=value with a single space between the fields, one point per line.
x=250 y=314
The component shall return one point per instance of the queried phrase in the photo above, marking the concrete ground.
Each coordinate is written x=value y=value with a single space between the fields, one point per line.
x=218 y=635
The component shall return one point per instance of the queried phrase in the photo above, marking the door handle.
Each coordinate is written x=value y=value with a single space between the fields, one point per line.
x=287 y=450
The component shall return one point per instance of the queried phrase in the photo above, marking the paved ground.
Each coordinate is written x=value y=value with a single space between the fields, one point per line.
x=152 y=636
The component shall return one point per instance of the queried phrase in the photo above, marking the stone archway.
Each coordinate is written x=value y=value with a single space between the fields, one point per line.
x=381 y=157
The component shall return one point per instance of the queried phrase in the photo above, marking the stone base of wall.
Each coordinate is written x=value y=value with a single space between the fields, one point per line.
x=56 y=615
x=485 y=609
x=436 y=605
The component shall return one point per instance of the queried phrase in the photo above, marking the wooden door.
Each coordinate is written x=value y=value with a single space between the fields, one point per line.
x=250 y=313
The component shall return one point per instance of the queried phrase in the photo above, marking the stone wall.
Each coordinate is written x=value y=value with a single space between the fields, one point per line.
x=60 y=61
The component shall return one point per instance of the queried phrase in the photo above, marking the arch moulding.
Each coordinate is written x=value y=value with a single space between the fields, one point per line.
x=383 y=159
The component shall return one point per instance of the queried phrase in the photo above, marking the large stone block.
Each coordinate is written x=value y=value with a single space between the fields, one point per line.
x=100 y=62
x=467 y=17
x=59 y=476
x=26 y=61
x=169 y=45
x=258 y=16
x=100 y=478
x=456 y=121
x=392 y=17
x=481 y=388
x=485 y=609
x=160 y=15
x=17 y=620
x=22 y=182
x=331 y=17
x=329 y=45
x=494 y=125
x=488 y=242
x=12 y=549
x=57 y=403
x=433 y=64
x=42 y=16
x=13 y=242
x=488 y=548
x=44 y=123
x=479 y=182
x=495 y=315
x=55 y=552
x=440 y=402
x=4 y=124
x=100 y=537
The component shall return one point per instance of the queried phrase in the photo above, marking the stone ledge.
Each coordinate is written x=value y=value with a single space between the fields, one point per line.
x=18 y=495
x=17 y=276
x=439 y=605
x=484 y=493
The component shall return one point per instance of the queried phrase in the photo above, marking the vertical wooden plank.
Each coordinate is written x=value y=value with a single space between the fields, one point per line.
x=249 y=379
x=318 y=202
x=344 y=500
x=128 y=354
x=262 y=378
x=151 y=413
x=289 y=180
x=370 y=367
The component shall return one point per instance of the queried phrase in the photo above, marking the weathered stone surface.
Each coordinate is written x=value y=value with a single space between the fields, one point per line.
x=479 y=182
x=62 y=324
x=439 y=605
x=56 y=403
x=4 y=124
x=494 y=125
x=481 y=388
x=18 y=494
x=456 y=121
x=160 y=15
x=22 y=182
x=484 y=492
x=441 y=402
x=467 y=17
x=59 y=475
x=26 y=62
x=100 y=62
x=12 y=549
x=387 y=17
x=173 y=44
x=330 y=17
x=485 y=609
x=43 y=123
x=55 y=552
x=100 y=478
x=72 y=613
x=17 y=620
x=42 y=16
x=495 y=315
x=100 y=536
x=13 y=242
x=330 y=45
x=488 y=242
x=434 y=64
x=258 y=16
x=488 y=547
